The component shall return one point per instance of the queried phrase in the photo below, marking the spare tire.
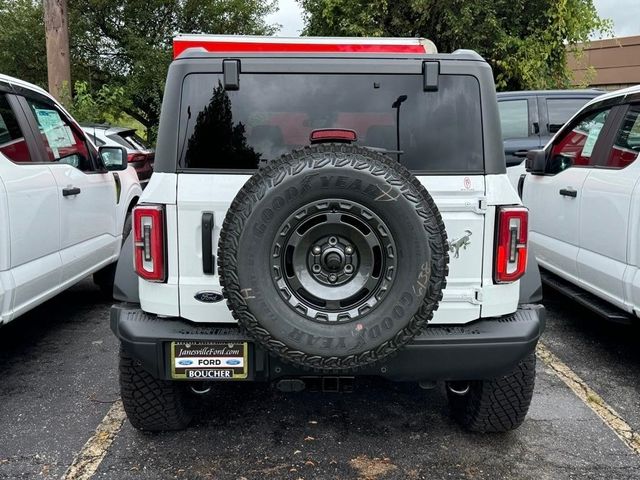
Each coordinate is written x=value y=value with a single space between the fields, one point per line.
x=333 y=256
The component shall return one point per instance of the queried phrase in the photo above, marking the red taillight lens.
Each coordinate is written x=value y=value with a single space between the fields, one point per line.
x=136 y=157
x=511 y=244
x=333 y=135
x=148 y=242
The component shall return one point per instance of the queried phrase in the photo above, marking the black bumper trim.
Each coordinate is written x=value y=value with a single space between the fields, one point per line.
x=483 y=349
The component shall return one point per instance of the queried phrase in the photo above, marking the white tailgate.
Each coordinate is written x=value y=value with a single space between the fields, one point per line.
x=461 y=201
x=198 y=194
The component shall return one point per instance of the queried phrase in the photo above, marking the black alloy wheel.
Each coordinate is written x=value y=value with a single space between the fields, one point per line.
x=333 y=260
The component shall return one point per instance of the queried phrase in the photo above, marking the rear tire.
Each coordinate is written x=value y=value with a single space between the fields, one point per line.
x=152 y=405
x=496 y=405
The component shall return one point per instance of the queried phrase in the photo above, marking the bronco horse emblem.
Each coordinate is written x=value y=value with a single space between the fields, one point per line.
x=462 y=242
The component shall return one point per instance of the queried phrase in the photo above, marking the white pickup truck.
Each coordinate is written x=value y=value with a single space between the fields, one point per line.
x=64 y=205
x=583 y=192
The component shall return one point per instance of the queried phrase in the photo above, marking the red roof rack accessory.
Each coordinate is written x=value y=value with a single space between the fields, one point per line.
x=262 y=44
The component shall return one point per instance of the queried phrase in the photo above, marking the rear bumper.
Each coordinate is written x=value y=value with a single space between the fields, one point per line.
x=483 y=349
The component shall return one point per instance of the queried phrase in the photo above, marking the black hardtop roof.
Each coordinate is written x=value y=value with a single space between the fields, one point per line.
x=197 y=61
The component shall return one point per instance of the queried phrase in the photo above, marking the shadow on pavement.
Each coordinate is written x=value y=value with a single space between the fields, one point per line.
x=63 y=310
x=571 y=319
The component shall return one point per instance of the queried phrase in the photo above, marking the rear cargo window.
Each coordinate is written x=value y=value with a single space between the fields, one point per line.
x=436 y=132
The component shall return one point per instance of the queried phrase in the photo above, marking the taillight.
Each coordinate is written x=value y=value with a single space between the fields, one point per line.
x=136 y=157
x=148 y=242
x=511 y=244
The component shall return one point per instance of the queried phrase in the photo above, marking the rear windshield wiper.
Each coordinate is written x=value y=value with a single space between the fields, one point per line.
x=384 y=150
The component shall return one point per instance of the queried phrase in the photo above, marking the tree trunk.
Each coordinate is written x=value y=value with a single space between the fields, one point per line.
x=58 y=62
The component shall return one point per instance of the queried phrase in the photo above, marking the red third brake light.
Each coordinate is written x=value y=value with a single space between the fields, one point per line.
x=511 y=244
x=148 y=242
x=333 y=135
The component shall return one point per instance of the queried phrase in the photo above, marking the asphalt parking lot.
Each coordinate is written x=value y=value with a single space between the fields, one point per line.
x=59 y=381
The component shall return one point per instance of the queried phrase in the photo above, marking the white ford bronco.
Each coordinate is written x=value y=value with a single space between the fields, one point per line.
x=64 y=205
x=323 y=209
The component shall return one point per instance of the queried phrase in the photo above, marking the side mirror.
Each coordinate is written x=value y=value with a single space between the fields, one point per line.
x=113 y=158
x=536 y=163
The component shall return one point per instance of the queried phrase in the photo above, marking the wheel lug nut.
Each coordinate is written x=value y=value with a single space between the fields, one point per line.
x=317 y=250
x=333 y=277
x=348 y=250
x=333 y=240
x=348 y=268
x=316 y=268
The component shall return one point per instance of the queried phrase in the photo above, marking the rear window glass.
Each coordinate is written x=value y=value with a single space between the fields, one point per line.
x=514 y=118
x=130 y=140
x=561 y=110
x=94 y=139
x=273 y=114
x=136 y=140
x=121 y=141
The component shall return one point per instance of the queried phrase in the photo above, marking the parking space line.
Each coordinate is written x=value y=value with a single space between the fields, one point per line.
x=89 y=458
x=86 y=463
x=594 y=401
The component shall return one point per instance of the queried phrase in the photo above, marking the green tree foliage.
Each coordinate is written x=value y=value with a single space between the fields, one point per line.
x=22 y=42
x=121 y=43
x=128 y=42
x=23 y=47
x=525 y=41
x=104 y=106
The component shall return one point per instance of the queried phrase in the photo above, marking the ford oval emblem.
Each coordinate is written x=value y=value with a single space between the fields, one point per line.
x=185 y=362
x=208 y=296
x=233 y=361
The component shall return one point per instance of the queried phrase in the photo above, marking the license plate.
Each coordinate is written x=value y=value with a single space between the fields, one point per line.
x=209 y=360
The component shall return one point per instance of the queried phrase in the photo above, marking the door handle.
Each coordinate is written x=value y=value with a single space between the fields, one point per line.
x=521 y=184
x=569 y=192
x=208 y=258
x=67 y=191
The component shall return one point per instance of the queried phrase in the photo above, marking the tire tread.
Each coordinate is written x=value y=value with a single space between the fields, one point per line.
x=309 y=159
x=497 y=405
x=151 y=404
